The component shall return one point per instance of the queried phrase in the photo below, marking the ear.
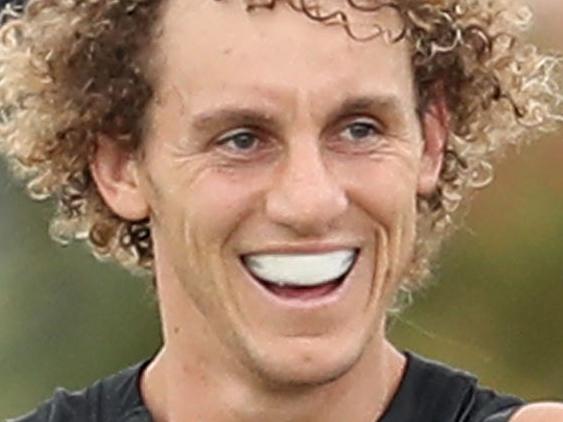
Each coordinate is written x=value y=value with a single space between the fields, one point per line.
x=115 y=172
x=435 y=129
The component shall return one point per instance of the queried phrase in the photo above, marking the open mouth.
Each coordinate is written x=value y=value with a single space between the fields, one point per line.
x=301 y=276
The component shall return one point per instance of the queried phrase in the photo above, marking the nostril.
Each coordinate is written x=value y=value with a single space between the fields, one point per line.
x=306 y=195
x=313 y=217
x=312 y=204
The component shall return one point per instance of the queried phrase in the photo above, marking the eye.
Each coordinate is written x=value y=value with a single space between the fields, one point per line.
x=359 y=130
x=239 y=141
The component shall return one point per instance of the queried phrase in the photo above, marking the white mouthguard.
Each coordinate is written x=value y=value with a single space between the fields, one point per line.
x=303 y=270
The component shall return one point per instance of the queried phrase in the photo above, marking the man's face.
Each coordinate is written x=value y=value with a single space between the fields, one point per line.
x=281 y=172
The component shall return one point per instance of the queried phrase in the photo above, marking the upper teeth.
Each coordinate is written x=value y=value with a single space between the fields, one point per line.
x=300 y=269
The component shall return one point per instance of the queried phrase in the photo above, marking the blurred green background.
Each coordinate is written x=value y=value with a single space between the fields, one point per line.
x=495 y=307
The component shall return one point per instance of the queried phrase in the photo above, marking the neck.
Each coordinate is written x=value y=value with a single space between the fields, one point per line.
x=186 y=387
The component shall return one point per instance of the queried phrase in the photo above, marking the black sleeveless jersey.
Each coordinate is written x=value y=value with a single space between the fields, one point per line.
x=429 y=392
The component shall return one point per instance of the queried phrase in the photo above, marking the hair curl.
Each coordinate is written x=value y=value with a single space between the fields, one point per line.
x=72 y=69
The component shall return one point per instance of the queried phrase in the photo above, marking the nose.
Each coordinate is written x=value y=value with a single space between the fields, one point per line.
x=306 y=197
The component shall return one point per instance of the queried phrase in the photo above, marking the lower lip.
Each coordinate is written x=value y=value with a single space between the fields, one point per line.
x=303 y=293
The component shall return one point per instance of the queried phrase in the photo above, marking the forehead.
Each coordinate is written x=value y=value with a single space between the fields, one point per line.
x=217 y=49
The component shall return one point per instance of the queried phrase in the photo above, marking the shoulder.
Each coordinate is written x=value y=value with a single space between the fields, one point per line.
x=433 y=391
x=486 y=405
x=539 y=412
x=109 y=399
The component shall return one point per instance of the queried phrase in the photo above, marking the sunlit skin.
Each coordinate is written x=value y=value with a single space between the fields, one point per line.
x=274 y=134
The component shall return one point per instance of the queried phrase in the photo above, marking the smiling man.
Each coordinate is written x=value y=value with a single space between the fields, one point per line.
x=285 y=171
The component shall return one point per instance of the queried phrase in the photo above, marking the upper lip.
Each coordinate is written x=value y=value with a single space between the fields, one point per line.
x=304 y=248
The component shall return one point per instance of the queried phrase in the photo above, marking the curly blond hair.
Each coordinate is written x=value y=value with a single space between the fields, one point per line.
x=72 y=69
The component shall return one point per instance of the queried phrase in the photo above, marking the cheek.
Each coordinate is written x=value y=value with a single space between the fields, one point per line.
x=389 y=198
x=198 y=220
x=385 y=190
x=218 y=201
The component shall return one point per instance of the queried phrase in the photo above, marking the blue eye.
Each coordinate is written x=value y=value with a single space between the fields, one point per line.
x=240 y=140
x=360 y=130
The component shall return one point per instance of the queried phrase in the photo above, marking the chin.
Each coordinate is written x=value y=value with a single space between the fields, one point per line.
x=306 y=362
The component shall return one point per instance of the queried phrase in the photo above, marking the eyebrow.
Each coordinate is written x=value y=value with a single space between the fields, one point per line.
x=231 y=115
x=235 y=115
x=388 y=104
